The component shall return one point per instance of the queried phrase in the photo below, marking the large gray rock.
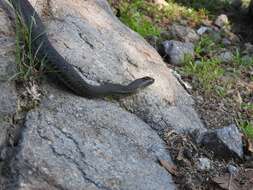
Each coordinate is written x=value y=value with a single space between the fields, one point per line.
x=176 y=51
x=8 y=97
x=225 y=142
x=104 y=49
x=71 y=142
x=77 y=143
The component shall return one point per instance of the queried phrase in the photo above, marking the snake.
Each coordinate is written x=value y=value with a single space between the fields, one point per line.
x=64 y=71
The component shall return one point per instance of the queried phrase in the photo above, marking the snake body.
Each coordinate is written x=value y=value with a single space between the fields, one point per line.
x=64 y=71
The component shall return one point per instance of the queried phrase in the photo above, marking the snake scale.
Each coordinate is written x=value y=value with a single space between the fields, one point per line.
x=64 y=71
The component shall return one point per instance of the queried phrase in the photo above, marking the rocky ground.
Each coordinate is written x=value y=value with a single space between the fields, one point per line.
x=52 y=139
x=211 y=56
x=154 y=139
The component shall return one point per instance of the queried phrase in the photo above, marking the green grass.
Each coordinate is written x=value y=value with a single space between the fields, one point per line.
x=210 y=77
x=131 y=15
x=174 y=12
x=147 y=18
x=205 y=72
x=239 y=60
x=28 y=66
x=247 y=128
x=247 y=107
x=204 y=46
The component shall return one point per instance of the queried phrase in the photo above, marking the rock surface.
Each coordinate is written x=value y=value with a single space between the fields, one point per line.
x=77 y=143
x=160 y=3
x=202 y=30
x=226 y=57
x=184 y=33
x=106 y=50
x=8 y=96
x=71 y=142
x=176 y=51
x=221 y=21
x=224 y=142
x=203 y=164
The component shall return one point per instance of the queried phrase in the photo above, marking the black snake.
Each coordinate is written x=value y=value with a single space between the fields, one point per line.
x=65 y=72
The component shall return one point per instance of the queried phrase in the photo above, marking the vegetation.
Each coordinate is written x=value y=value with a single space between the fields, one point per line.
x=207 y=74
x=131 y=15
x=28 y=66
x=247 y=128
x=205 y=71
x=148 y=19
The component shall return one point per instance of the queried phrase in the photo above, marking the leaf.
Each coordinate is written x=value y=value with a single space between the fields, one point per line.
x=169 y=166
x=226 y=182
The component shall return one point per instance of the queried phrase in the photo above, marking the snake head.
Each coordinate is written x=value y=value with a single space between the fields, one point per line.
x=142 y=82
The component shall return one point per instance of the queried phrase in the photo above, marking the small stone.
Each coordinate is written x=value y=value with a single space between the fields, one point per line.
x=225 y=142
x=215 y=35
x=248 y=49
x=231 y=36
x=51 y=97
x=202 y=30
x=226 y=57
x=199 y=98
x=226 y=42
x=221 y=21
x=174 y=51
x=246 y=59
x=160 y=3
x=233 y=170
x=184 y=33
x=198 y=62
x=203 y=164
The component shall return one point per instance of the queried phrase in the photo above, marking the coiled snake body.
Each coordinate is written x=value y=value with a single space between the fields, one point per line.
x=64 y=71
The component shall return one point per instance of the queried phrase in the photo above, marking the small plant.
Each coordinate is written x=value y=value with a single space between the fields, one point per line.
x=220 y=91
x=131 y=15
x=173 y=12
x=205 y=45
x=206 y=72
x=28 y=66
x=248 y=107
x=239 y=60
x=247 y=128
x=147 y=18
